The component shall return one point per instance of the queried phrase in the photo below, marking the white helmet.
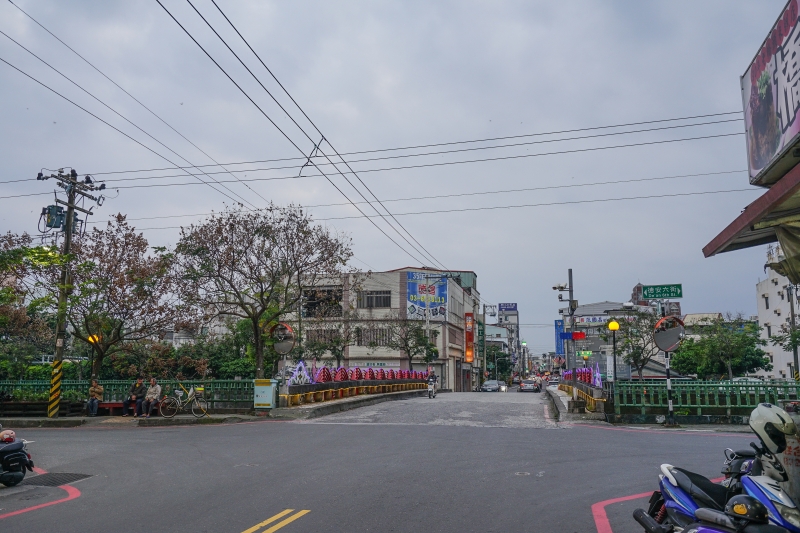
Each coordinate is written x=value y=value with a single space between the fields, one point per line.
x=772 y=424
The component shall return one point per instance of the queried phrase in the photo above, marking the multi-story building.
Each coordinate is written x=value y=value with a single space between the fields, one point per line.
x=441 y=300
x=772 y=301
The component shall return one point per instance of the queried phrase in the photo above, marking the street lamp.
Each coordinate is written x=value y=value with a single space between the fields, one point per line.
x=585 y=358
x=93 y=340
x=613 y=327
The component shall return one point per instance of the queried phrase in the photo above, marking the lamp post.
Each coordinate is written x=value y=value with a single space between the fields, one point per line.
x=93 y=340
x=613 y=327
x=585 y=358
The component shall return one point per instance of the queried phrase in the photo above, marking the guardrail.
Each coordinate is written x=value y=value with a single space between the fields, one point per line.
x=324 y=395
x=220 y=393
x=698 y=395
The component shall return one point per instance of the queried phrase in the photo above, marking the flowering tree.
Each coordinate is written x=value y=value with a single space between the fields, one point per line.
x=254 y=264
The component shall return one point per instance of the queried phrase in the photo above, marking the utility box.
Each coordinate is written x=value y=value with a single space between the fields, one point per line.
x=264 y=393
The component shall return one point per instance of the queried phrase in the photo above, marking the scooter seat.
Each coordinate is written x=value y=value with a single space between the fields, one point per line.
x=701 y=488
x=11 y=447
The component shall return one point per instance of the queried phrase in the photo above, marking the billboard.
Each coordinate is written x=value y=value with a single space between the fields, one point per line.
x=426 y=293
x=504 y=308
x=771 y=94
x=559 y=340
x=469 y=337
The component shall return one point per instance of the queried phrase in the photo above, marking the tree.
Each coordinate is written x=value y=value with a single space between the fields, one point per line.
x=121 y=296
x=503 y=361
x=726 y=345
x=331 y=335
x=253 y=265
x=409 y=337
x=635 y=339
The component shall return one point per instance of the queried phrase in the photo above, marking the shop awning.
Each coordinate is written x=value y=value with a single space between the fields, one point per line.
x=762 y=220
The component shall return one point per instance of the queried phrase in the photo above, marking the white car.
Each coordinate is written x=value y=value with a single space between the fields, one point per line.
x=503 y=386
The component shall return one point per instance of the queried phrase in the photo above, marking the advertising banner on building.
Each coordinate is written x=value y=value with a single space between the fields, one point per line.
x=426 y=295
x=469 y=337
x=505 y=308
x=559 y=340
x=771 y=94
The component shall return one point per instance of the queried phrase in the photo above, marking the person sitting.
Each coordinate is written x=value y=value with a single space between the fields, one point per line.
x=95 y=397
x=135 y=395
x=151 y=398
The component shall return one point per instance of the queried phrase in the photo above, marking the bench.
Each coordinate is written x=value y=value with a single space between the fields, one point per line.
x=115 y=408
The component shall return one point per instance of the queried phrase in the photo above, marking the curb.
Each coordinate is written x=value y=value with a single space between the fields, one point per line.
x=557 y=402
x=161 y=421
x=305 y=412
x=15 y=423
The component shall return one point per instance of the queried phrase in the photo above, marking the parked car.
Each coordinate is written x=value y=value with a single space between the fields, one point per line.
x=515 y=380
x=738 y=382
x=527 y=385
x=553 y=381
x=490 y=386
x=503 y=386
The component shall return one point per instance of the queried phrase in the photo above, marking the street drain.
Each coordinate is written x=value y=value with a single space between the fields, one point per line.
x=53 y=480
x=522 y=473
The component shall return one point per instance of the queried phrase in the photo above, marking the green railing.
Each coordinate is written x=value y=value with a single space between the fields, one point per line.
x=220 y=393
x=694 y=396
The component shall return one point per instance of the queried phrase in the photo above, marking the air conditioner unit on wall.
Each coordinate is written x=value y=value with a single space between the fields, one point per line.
x=777 y=312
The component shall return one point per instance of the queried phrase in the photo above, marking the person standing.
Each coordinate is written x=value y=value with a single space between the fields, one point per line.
x=136 y=396
x=95 y=397
x=151 y=398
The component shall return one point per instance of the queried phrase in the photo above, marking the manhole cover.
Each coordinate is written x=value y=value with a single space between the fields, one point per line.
x=53 y=480
x=522 y=473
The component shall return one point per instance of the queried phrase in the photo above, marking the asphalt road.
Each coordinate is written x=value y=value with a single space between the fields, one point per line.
x=462 y=462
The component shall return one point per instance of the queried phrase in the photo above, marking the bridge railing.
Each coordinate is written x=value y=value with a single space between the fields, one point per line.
x=220 y=393
x=694 y=396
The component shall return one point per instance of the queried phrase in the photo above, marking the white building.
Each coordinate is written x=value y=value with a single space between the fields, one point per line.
x=773 y=317
x=405 y=292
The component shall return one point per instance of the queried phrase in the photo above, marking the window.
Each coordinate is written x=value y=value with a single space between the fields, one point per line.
x=322 y=302
x=766 y=301
x=374 y=299
x=769 y=330
x=372 y=336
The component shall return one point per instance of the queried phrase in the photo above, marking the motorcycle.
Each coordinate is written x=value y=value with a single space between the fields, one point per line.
x=14 y=458
x=431 y=390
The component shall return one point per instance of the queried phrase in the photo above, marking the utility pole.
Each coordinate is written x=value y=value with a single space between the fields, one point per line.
x=572 y=309
x=68 y=182
x=790 y=289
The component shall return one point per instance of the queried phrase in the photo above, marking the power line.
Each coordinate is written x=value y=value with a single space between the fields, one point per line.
x=469 y=161
x=473 y=141
x=278 y=128
x=106 y=123
x=117 y=113
x=131 y=96
x=543 y=204
x=429 y=254
x=479 y=193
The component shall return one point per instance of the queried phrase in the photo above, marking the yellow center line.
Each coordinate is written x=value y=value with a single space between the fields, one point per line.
x=267 y=521
x=289 y=520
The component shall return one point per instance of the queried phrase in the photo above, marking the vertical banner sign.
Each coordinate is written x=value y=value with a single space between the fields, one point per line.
x=559 y=340
x=610 y=368
x=469 y=337
x=426 y=293
x=481 y=337
x=771 y=94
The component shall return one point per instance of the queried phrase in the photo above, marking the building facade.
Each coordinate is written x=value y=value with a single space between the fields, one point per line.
x=772 y=301
x=368 y=304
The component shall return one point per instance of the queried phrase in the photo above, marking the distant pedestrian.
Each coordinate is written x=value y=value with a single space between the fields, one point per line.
x=95 y=397
x=152 y=397
x=135 y=396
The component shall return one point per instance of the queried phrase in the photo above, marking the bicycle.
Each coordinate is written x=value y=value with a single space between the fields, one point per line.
x=171 y=405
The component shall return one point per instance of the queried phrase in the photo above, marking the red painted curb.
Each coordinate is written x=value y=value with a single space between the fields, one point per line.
x=71 y=491
x=599 y=509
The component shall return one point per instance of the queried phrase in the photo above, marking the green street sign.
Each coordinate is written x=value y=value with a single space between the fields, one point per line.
x=656 y=292
x=489 y=365
x=586 y=353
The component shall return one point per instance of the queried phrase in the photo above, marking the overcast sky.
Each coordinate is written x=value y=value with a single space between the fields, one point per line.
x=375 y=75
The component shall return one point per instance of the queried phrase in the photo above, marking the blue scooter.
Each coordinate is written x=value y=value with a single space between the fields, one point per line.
x=684 y=494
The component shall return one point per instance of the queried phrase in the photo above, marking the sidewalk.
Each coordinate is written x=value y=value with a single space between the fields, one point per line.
x=560 y=399
x=121 y=421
